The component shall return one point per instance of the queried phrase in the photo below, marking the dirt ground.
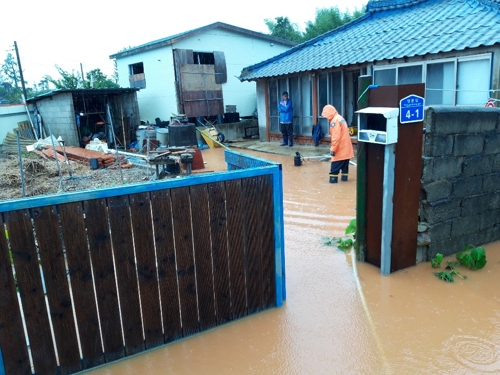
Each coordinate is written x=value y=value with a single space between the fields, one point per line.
x=46 y=177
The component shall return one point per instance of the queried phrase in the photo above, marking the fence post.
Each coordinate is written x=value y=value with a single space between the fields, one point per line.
x=279 y=240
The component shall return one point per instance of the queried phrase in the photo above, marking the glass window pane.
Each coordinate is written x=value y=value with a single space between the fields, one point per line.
x=439 y=84
x=294 y=94
x=306 y=105
x=273 y=106
x=473 y=82
x=385 y=77
x=322 y=91
x=410 y=74
x=336 y=90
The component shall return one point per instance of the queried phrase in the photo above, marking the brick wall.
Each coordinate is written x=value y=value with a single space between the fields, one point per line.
x=460 y=185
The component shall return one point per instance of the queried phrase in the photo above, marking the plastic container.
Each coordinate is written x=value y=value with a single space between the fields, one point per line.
x=162 y=136
x=143 y=135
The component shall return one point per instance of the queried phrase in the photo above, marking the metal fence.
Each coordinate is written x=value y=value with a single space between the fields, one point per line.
x=90 y=277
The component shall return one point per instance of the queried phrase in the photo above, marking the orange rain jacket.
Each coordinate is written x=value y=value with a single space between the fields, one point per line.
x=339 y=134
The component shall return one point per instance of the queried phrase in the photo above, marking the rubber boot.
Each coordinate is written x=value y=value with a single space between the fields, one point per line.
x=285 y=140
x=343 y=178
x=334 y=178
x=291 y=141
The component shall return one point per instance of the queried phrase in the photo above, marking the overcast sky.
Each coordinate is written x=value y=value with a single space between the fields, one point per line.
x=69 y=33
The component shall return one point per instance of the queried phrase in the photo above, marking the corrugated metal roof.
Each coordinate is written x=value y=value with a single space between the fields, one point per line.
x=391 y=29
x=177 y=37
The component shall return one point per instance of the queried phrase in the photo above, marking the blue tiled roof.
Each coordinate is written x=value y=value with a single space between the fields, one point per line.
x=391 y=29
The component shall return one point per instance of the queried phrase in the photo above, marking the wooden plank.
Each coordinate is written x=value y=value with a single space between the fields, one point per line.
x=253 y=240
x=203 y=255
x=203 y=103
x=25 y=257
x=185 y=261
x=126 y=274
x=161 y=208
x=48 y=234
x=196 y=77
x=82 y=286
x=146 y=269
x=267 y=227
x=374 y=179
x=236 y=248
x=407 y=174
x=12 y=339
x=218 y=229
x=96 y=221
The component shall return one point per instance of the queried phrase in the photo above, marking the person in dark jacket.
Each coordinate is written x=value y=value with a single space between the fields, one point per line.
x=285 y=108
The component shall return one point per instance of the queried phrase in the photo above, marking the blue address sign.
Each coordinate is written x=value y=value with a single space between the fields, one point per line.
x=411 y=109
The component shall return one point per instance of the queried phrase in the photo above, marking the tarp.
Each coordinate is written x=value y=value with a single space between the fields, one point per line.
x=317 y=134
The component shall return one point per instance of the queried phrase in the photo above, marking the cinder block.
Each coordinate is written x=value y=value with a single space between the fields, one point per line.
x=464 y=226
x=482 y=120
x=492 y=143
x=477 y=165
x=467 y=186
x=491 y=182
x=437 y=145
x=440 y=231
x=437 y=190
x=468 y=144
x=446 y=167
x=440 y=211
x=476 y=204
x=450 y=120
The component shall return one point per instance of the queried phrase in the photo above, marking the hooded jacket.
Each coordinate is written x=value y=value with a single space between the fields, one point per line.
x=340 y=140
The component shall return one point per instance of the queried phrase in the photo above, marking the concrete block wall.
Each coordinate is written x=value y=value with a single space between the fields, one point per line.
x=460 y=185
x=58 y=115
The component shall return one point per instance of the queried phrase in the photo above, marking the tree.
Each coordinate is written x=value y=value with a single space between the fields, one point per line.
x=328 y=19
x=10 y=71
x=72 y=80
x=10 y=80
x=284 y=29
x=98 y=80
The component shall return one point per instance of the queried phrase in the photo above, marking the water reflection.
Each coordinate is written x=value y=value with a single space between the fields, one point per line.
x=343 y=317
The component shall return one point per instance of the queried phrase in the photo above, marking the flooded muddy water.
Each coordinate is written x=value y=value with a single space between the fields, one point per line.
x=342 y=316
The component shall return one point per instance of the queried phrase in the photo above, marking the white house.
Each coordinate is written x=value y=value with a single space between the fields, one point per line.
x=196 y=72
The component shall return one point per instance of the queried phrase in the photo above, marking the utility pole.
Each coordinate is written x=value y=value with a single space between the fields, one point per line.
x=20 y=71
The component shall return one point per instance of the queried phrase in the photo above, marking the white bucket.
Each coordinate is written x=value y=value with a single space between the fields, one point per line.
x=162 y=136
x=144 y=134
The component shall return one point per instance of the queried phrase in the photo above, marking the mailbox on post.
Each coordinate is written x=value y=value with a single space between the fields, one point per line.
x=378 y=125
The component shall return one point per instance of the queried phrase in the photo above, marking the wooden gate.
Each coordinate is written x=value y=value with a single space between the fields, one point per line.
x=90 y=277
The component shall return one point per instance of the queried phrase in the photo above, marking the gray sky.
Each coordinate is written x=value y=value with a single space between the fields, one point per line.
x=69 y=33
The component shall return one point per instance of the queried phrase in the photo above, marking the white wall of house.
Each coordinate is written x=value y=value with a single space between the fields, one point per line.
x=10 y=115
x=158 y=99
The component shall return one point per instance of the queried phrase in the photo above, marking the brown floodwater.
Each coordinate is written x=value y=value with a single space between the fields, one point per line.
x=342 y=316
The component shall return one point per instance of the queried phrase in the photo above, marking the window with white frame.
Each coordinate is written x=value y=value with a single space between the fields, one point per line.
x=456 y=81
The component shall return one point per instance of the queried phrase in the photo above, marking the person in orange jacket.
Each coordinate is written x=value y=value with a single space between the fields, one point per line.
x=340 y=147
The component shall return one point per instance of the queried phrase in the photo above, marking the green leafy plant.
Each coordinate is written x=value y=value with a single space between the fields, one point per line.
x=475 y=259
x=344 y=244
x=472 y=257
x=436 y=261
